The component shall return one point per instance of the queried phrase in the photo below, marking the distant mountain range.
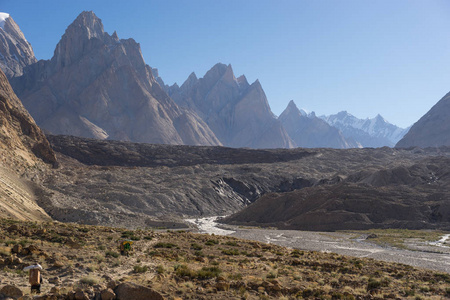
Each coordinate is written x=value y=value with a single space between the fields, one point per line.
x=99 y=86
x=311 y=131
x=375 y=132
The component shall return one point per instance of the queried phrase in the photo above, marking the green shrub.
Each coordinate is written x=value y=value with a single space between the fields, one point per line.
x=232 y=243
x=140 y=269
x=112 y=254
x=89 y=280
x=160 y=269
x=211 y=242
x=183 y=270
x=373 y=284
x=271 y=275
x=208 y=272
x=165 y=245
x=196 y=246
x=230 y=252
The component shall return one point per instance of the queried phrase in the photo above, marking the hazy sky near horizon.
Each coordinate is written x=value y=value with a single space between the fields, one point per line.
x=366 y=57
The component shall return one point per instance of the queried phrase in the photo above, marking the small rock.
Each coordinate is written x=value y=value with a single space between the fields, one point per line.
x=11 y=291
x=222 y=286
x=33 y=249
x=17 y=249
x=54 y=280
x=58 y=264
x=17 y=261
x=54 y=289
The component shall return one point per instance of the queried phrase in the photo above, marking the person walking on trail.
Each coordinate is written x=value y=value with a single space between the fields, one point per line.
x=35 y=277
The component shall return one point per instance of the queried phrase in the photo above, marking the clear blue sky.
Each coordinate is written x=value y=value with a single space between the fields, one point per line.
x=366 y=57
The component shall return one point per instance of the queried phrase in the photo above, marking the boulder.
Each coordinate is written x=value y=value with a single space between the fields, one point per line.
x=128 y=290
x=81 y=295
x=11 y=291
x=107 y=294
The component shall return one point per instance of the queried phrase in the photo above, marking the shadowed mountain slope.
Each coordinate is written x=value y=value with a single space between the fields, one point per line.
x=433 y=129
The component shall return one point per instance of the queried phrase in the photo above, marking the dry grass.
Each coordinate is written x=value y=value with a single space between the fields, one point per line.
x=196 y=266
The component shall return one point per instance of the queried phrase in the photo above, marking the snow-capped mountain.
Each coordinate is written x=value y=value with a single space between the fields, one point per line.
x=15 y=51
x=375 y=132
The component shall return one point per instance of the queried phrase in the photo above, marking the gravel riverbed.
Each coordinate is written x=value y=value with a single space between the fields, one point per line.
x=433 y=256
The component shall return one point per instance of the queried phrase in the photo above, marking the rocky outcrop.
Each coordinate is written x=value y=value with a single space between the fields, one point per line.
x=432 y=130
x=23 y=149
x=312 y=132
x=15 y=51
x=129 y=290
x=236 y=111
x=98 y=86
x=21 y=140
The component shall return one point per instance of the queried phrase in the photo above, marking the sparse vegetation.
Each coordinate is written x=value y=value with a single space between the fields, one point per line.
x=184 y=264
x=140 y=269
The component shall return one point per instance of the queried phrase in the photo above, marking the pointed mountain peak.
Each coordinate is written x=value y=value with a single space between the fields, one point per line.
x=379 y=117
x=3 y=17
x=89 y=23
x=15 y=51
x=242 y=80
x=292 y=105
x=192 y=77
x=73 y=43
x=229 y=75
x=215 y=73
x=219 y=68
x=190 y=82
x=115 y=36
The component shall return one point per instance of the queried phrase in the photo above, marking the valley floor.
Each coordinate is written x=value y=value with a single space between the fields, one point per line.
x=427 y=257
x=414 y=252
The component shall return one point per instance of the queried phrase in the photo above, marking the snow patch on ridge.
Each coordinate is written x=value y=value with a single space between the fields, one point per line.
x=3 y=17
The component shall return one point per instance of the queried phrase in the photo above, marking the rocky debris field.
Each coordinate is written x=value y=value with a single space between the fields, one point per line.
x=136 y=185
x=83 y=262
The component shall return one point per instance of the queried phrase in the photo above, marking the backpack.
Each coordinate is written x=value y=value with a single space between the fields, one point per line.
x=35 y=277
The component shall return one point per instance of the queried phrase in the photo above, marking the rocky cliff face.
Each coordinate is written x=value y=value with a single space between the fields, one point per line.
x=98 y=86
x=312 y=132
x=15 y=51
x=375 y=132
x=22 y=142
x=23 y=148
x=236 y=111
x=433 y=129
